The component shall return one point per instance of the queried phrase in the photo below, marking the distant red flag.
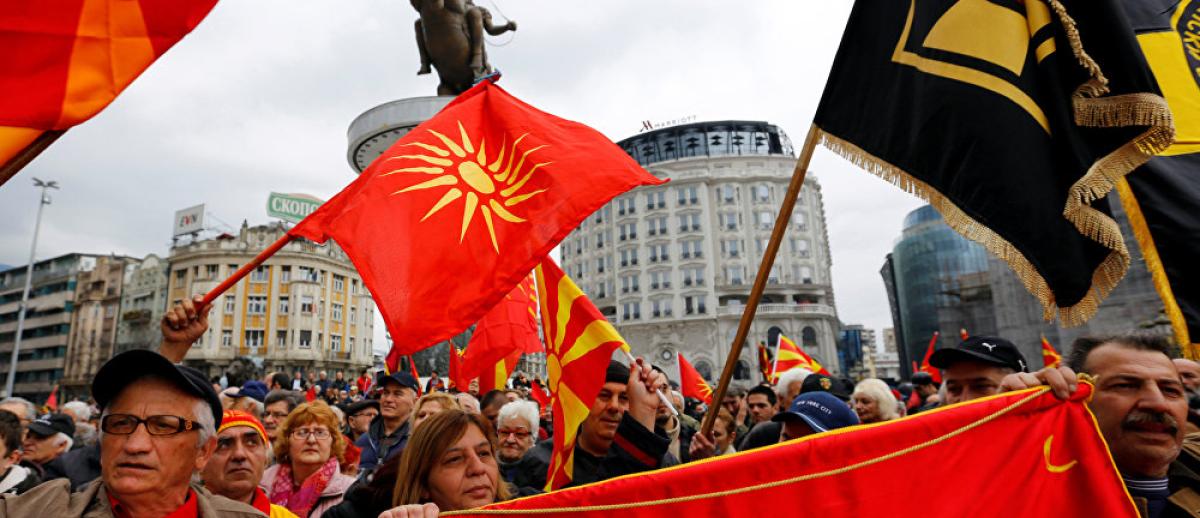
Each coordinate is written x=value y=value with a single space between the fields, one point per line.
x=925 y=366
x=1050 y=357
x=66 y=60
x=459 y=210
x=764 y=361
x=412 y=366
x=510 y=326
x=496 y=378
x=962 y=333
x=457 y=378
x=790 y=356
x=52 y=401
x=538 y=393
x=691 y=384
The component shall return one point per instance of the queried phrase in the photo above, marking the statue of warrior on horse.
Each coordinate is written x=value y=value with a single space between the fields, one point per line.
x=450 y=38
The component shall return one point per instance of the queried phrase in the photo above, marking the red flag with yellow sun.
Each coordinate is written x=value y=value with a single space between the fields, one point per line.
x=579 y=344
x=691 y=384
x=790 y=356
x=452 y=216
x=1050 y=357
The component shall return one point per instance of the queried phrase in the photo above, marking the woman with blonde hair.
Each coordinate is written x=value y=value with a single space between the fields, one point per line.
x=309 y=449
x=873 y=401
x=430 y=404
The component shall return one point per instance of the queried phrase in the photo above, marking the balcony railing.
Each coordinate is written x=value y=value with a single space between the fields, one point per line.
x=780 y=309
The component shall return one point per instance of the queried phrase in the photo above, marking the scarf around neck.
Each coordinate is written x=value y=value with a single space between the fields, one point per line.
x=302 y=500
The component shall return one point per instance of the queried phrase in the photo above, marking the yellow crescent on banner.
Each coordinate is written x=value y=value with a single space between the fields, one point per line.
x=1051 y=467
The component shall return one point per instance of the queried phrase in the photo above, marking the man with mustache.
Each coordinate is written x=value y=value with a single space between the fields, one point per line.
x=158 y=429
x=1140 y=405
x=237 y=465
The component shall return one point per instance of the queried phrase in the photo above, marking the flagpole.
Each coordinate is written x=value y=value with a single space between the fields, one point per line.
x=28 y=153
x=661 y=397
x=775 y=360
x=245 y=269
x=760 y=280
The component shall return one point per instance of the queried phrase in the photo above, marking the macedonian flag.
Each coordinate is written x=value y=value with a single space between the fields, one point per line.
x=506 y=331
x=65 y=60
x=459 y=210
x=789 y=356
x=691 y=384
x=1050 y=357
x=579 y=344
x=1053 y=462
x=1013 y=118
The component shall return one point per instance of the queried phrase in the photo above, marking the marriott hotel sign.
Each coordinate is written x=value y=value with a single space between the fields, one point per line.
x=648 y=125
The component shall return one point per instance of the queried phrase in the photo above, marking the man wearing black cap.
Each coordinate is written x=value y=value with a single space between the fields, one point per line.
x=976 y=367
x=821 y=383
x=388 y=433
x=359 y=416
x=158 y=429
x=618 y=436
x=49 y=436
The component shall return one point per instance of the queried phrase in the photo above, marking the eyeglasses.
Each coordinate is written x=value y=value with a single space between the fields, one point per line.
x=126 y=424
x=519 y=434
x=301 y=434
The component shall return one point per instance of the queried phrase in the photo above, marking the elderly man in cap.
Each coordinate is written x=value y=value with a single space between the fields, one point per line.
x=388 y=433
x=1140 y=405
x=158 y=429
x=976 y=367
x=48 y=437
x=237 y=465
x=618 y=435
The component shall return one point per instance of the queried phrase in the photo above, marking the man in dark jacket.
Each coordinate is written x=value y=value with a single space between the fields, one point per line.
x=14 y=478
x=79 y=466
x=618 y=436
x=388 y=433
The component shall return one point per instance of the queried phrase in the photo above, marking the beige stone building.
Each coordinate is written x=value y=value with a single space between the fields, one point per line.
x=93 y=323
x=305 y=308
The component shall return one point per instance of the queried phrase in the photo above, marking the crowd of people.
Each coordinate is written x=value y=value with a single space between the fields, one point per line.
x=162 y=439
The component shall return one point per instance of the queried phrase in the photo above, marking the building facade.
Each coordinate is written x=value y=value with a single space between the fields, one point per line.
x=143 y=302
x=305 y=308
x=856 y=349
x=672 y=266
x=93 y=324
x=42 y=359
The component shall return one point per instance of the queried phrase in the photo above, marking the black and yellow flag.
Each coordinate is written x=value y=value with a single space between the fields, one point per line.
x=1012 y=118
x=1162 y=197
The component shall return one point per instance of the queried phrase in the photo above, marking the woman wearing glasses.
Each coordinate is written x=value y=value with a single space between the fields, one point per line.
x=308 y=451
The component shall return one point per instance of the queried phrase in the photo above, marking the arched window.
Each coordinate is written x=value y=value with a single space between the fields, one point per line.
x=808 y=337
x=705 y=369
x=742 y=372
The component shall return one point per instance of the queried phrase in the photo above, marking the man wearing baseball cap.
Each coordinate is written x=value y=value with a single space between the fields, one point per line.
x=975 y=368
x=814 y=412
x=48 y=437
x=388 y=433
x=158 y=427
x=237 y=465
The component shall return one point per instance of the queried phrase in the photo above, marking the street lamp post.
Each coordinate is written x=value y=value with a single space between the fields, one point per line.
x=12 y=364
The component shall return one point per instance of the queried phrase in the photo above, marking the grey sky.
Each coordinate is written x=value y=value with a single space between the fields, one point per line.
x=259 y=97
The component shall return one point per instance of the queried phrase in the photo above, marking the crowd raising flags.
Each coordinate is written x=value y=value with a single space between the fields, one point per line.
x=64 y=61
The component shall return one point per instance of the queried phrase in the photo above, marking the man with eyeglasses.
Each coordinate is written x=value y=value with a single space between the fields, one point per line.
x=158 y=429
x=388 y=433
x=237 y=465
x=515 y=428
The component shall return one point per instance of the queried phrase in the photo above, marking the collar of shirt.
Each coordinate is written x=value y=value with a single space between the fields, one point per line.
x=189 y=509
x=261 y=502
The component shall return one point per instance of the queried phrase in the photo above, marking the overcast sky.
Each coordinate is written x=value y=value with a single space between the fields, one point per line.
x=259 y=96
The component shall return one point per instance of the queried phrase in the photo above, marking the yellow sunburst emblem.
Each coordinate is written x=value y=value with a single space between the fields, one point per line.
x=487 y=188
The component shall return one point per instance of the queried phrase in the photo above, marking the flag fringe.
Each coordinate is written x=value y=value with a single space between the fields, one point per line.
x=1104 y=278
x=1141 y=231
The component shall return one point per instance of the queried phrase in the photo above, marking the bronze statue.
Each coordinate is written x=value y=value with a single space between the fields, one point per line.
x=450 y=37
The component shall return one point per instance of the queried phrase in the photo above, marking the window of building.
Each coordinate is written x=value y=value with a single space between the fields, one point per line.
x=283 y=305
x=660 y=307
x=799 y=246
x=353 y=315
x=660 y=279
x=694 y=305
x=629 y=284
x=230 y=304
x=230 y=269
x=320 y=339
x=727 y=194
x=210 y=271
x=808 y=337
x=628 y=231
x=285 y=274
x=599 y=239
x=260 y=274
x=658 y=253
x=762 y=193
x=306 y=304
x=626 y=205
x=631 y=311
x=337 y=312
x=254 y=338
x=656 y=226
x=629 y=257
x=656 y=199
x=799 y=220
x=281 y=339
x=226 y=338
x=804 y=274
x=773 y=275
x=256 y=305
x=600 y=265
x=335 y=342
x=688 y=195
x=350 y=344
x=735 y=274
x=339 y=283
x=180 y=274
x=693 y=275
x=354 y=286
x=689 y=222
x=729 y=220
x=760 y=244
x=305 y=339
x=731 y=247
x=690 y=249
x=764 y=219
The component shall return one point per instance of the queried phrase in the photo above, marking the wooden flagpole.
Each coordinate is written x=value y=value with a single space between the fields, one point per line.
x=245 y=269
x=28 y=153
x=760 y=280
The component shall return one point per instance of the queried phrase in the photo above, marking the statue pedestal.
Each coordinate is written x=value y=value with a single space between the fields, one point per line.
x=378 y=128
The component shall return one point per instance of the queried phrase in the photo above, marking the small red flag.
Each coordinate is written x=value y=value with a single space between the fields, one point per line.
x=52 y=401
x=962 y=333
x=1050 y=357
x=691 y=384
x=412 y=366
x=925 y=366
x=790 y=356
x=459 y=210
x=764 y=361
x=538 y=393
x=457 y=379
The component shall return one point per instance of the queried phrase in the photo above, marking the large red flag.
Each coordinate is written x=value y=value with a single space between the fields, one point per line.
x=461 y=208
x=579 y=345
x=691 y=384
x=496 y=378
x=925 y=366
x=65 y=60
x=510 y=327
x=1053 y=463
x=458 y=379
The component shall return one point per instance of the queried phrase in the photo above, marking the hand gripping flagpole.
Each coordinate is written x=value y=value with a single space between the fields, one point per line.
x=246 y=269
x=760 y=280
x=661 y=397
